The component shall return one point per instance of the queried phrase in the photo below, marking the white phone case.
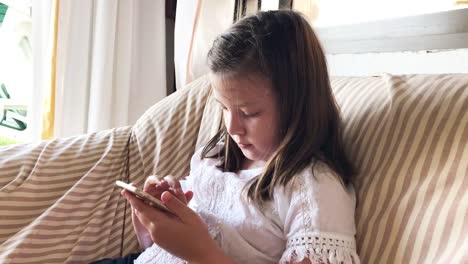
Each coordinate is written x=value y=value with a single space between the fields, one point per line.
x=140 y=194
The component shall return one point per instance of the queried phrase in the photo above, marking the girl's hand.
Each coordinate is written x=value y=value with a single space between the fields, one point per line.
x=143 y=236
x=184 y=235
x=155 y=187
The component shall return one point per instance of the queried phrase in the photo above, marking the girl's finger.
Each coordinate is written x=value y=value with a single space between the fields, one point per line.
x=150 y=217
x=142 y=210
x=163 y=185
x=173 y=182
x=176 y=206
x=134 y=202
x=151 y=181
x=155 y=186
x=181 y=196
x=177 y=189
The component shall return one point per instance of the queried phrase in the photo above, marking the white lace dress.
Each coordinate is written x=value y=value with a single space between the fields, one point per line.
x=310 y=218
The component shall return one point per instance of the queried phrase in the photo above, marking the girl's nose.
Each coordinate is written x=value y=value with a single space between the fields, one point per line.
x=234 y=124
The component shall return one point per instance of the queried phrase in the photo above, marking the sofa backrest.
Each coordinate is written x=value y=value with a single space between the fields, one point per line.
x=408 y=137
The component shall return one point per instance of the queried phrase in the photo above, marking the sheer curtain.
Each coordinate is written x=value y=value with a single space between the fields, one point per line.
x=197 y=24
x=110 y=62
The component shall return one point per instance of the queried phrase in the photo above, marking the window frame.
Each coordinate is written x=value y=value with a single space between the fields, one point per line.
x=437 y=31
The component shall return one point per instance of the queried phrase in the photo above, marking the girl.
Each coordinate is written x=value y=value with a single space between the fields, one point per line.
x=273 y=185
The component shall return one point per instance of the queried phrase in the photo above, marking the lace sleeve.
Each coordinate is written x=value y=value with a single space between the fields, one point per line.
x=319 y=220
x=320 y=248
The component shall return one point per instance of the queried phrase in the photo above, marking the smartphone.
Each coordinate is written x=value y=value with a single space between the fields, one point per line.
x=145 y=197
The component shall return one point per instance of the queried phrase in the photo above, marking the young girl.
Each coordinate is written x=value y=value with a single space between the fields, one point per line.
x=273 y=185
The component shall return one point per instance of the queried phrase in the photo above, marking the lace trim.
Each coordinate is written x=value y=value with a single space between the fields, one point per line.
x=306 y=204
x=323 y=248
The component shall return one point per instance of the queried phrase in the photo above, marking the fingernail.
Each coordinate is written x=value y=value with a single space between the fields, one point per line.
x=166 y=196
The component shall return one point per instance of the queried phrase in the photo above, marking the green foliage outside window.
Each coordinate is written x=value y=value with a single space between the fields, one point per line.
x=3 y=9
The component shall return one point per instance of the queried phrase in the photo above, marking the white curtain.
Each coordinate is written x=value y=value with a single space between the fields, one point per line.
x=197 y=25
x=183 y=34
x=110 y=64
x=40 y=40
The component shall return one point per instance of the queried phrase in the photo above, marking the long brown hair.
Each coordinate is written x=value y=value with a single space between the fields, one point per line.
x=282 y=46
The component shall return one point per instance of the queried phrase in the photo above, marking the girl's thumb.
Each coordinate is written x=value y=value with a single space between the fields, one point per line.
x=175 y=205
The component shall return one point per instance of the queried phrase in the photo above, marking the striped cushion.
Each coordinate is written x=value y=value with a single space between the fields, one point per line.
x=408 y=136
x=58 y=200
x=168 y=133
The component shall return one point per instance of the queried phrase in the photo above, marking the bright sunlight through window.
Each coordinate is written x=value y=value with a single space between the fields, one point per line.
x=340 y=12
x=15 y=70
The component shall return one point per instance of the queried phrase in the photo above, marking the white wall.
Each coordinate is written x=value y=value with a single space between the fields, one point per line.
x=449 y=61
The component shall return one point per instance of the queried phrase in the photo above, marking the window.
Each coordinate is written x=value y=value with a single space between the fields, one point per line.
x=15 y=70
x=368 y=26
x=326 y=13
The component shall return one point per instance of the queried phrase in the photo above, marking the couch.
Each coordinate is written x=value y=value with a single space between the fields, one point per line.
x=406 y=134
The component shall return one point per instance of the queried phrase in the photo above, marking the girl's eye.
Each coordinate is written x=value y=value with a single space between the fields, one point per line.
x=241 y=113
x=249 y=114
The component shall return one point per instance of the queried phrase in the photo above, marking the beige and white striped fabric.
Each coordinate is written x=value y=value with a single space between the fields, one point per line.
x=58 y=200
x=408 y=136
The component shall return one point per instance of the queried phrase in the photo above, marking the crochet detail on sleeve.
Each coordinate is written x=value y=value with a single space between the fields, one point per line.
x=321 y=248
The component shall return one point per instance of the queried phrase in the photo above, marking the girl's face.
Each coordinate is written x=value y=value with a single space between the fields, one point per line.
x=250 y=113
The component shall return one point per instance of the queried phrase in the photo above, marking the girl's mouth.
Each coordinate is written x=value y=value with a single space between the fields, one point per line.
x=244 y=146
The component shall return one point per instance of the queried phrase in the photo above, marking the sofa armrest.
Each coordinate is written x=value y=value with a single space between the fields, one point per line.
x=58 y=201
